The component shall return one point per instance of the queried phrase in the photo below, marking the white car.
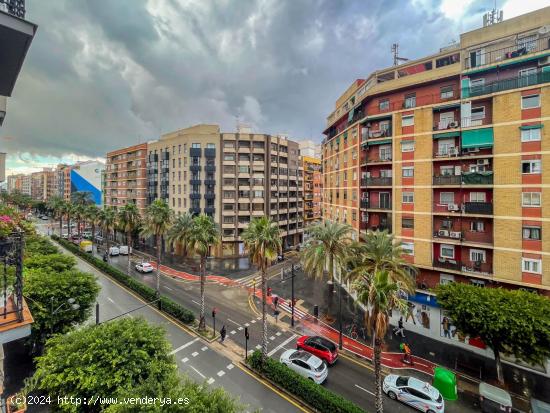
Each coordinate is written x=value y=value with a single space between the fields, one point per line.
x=305 y=364
x=124 y=249
x=144 y=267
x=113 y=251
x=414 y=392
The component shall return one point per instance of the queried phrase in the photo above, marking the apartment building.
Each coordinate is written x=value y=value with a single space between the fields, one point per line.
x=450 y=153
x=26 y=185
x=125 y=177
x=14 y=183
x=231 y=177
x=312 y=189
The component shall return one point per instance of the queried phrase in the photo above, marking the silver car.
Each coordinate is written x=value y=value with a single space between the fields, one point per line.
x=305 y=364
x=416 y=393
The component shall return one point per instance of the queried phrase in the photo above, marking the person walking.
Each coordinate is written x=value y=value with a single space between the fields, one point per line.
x=276 y=315
x=446 y=327
x=406 y=353
x=275 y=301
x=399 y=329
x=223 y=332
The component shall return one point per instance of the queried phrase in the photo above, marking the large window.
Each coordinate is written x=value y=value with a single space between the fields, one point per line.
x=477 y=255
x=407 y=171
x=407 y=222
x=407 y=120
x=383 y=104
x=477 y=226
x=447 y=251
x=196 y=145
x=531 y=167
x=408 y=248
x=530 y=199
x=530 y=135
x=410 y=101
x=531 y=265
x=529 y=102
x=478 y=197
x=229 y=157
x=407 y=146
x=446 y=92
x=408 y=197
x=531 y=233
x=385 y=152
x=446 y=198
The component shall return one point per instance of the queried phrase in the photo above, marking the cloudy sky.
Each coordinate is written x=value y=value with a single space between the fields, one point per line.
x=103 y=74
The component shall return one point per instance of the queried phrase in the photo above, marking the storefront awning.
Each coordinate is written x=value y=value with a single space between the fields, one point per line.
x=383 y=142
x=527 y=127
x=478 y=138
x=452 y=134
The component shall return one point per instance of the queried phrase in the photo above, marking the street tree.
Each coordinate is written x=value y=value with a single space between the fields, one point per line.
x=262 y=241
x=178 y=234
x=327 y=248
x=81 y=198
x=108 y=218
x=204 y=234
x=56 y=206
x=93 y=217
x=157 y=220
x=129 y=221
x=513 y=322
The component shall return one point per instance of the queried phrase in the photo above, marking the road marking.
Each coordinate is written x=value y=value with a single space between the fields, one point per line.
x=284 y=343
x=195 y=353
x=198 y=372
x=272 y=338
x=168 y=288
x=258 y=318
x=246 y=324
x=253 y=321
x=230 y=366
x=196 y=302
x=362 y=388
x=233 y=332
x=210 y=380
x=184 y=346
x=234 y=322
x=221 y=373
x=278 y=333
x=110 y=299
x=259 y=346
x=185 y=359
x=204 y=348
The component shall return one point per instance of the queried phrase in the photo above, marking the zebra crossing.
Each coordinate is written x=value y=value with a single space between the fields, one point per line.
x=251 y=281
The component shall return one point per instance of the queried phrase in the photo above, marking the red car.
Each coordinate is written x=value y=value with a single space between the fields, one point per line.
x=319 y=346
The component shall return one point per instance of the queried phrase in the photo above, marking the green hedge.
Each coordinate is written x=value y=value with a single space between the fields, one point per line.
x=316 y=396
x=149 y=294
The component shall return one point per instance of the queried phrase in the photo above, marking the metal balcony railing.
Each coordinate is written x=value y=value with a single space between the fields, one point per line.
x=11 y=258
x=14 y=7
x=447 y=180
x=447 y=263
x=484 y=208
x=507 y=84
x=379 y=181
x=379 y=205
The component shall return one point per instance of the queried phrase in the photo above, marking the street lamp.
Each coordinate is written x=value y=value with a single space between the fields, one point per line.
x=73 y=306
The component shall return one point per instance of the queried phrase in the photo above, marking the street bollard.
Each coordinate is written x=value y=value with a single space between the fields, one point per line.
x=97 y=313
x=316 y=313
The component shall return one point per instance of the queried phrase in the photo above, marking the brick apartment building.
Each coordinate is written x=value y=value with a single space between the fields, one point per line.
x=312 y=189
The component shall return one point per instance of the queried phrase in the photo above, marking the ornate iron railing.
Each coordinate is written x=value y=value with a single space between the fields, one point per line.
x=13 y=7
x=11 y=260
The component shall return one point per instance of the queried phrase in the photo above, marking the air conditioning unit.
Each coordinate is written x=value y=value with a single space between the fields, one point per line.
x=543 y=61
x=443 y=233
x=483 y=161
x=455 y=234
x=452 y=207
x=453 y=124
x=453 y=151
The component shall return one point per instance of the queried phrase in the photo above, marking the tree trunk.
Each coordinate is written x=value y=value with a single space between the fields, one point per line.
x=202 y=321
x=60 y=225
x=93 y=238
x=129 y=242
x=158 y=264
x=330 y=287
x=378 y=374
x=500 y=374
x=264 y=317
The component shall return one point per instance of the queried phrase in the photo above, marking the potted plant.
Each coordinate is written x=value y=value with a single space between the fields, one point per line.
x=16 y=403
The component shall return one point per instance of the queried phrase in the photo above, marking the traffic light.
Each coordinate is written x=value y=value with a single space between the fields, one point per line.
x=214 y=313
x=246 y=335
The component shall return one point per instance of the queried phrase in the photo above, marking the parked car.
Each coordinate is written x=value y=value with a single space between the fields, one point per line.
x=44 y=218
x=86 y=246
x=325 y=349
x=124 y=249
x=144 y=267
x=114 y=251
x=76 y=240
x=305 y=364
x=87 y=234
x=99 y=238
x=414 y=392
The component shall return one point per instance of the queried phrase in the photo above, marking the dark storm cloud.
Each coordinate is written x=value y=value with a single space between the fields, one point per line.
x=105 y=73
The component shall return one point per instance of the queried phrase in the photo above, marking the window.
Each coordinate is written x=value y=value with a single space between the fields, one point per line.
x=530 y=199
x=530 y=135
x=531 y=233
x=477 y=226
x=531 y=265
x=407 y=171
x=407 y=146
x=407 y=120
x=478 y=113
x=531 y=167
x=385 y=152
x=383 y=104
x=447 y=170
x=228 y=219
x=529 y=102
x=407 y=223
x=196 y=145
x=229 y=157
x=410 y=101
x=528 y=42
x=477 y=197
x=446 y=92
x=229 y=194
x=211 y=145
x=447 y=251
x=408 y=248
x=477 y=84
x=477 y=255
x=445 y=146
x=408 y=197
x=445 y=279
x=385 y=173
x=477 y=57
x=228 y=144
x=446 y=198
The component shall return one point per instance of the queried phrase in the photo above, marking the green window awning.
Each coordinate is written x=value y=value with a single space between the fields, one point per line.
x=527 y=127
x=452 y=134
x=478 y=138
x=350 y=115
x=383 y=142
x=338 y=140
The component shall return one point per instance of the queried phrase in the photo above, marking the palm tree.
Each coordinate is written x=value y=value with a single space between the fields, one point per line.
x=262 y=240
x=327 y=247
x=79 y=211
x=68 y=210
x=178 y=235
x=380 y=294
x=93 y=216
x=57 y=205
x=204 y=234
x=157 y=221
x=108 y=218
x=81 y=198
x=129 y=221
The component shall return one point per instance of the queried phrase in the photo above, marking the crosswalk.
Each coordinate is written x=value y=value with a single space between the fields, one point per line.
x=251 y=281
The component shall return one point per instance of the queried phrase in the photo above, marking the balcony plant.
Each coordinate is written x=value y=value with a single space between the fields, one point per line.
x=16 y=403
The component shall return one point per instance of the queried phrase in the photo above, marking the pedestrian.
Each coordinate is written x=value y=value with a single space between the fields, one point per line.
x=268 y=291
x=275 y=301
x=406 y=353
x=410 y=308
x=223 y=332
x=399 y=329
x=276 y=315
x=446 y=327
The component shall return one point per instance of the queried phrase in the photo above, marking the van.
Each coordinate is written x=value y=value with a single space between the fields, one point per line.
x=124 y=249
x=86 y=246
x=113 y=251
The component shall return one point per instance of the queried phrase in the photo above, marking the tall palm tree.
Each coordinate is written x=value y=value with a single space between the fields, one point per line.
x=178 y=235
x=203 y=235
x=262 y=240
x=380 y=294
x=327 y=247
x=56 y=205
x=93 y=217
x=108 y=218
x=81 y=198
x=68 y=210
x=129 y=221
x=157 y=221
x=79 y=211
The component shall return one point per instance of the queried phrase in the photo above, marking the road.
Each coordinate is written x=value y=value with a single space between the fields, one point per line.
x=350 y=377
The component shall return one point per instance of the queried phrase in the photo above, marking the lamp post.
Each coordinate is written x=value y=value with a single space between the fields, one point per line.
x=340 y=335
x=73 y=307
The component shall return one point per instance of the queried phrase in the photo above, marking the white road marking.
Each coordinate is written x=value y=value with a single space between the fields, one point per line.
x=195 y=354
x=272 y=338
x=368 y=391
x=284 y=343
x=196 y=302
x=258 y=318
x=204 y=348
x=234 y=322
x=198 y=372
x=253 y=321
x=259 y=346
x=221 y=373
x=185 y=359
x=109 y=298
x=240 y=328
x=210 y=380
x=183 y=346
x=230 y=366
x=278 y=333
x=246 y=324
x=233 y=332
x=168 y=288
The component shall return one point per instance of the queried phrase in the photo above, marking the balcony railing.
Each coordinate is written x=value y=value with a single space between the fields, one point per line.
x=474 y=121
x=379 y=205
x=364 y=203
x=507 y=84
x=483 y=208
x=11 y=257
x=446 y=124
x=379 y=181
x=447 y=180
x=510 y=52
x=446 y=263
x=477 y=178
x=14 y=7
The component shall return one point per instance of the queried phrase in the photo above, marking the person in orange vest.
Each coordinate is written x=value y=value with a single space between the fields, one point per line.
x=406 y=353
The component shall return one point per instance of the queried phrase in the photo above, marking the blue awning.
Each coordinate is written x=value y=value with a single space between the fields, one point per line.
x=425 y=299
x=478 y=138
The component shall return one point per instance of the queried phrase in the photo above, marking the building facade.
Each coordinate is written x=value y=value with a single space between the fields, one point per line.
x=26 y=185
x=231 y=177
x=14 y=183
x=312 y=189
x=449 y=153
x=125 y=177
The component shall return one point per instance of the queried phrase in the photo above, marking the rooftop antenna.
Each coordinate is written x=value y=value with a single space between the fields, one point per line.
x=492 y=17
x=395 y=52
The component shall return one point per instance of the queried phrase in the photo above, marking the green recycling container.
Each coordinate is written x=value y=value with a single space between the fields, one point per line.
x=445 y=382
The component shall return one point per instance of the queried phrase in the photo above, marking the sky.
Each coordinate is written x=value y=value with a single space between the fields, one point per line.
x=105 y=74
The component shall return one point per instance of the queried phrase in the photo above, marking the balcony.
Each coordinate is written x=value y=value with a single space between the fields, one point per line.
x=209 y=182
x=195 y=181
x=477 y=178
x=380 y=133
x=209 y=210
x=482 y=208
x=210 y=168
x=379 y=205
x=482 y=268
x=195 y=152
x=447 y=263
x=447 y=233
x=446 y=125
x=210 y=152
x=209 y=195
x=447 y=180
x=364 y=203
x=194 y=210
x=195 y=195
x=195 y=168
x=379 y=181
x=507 y=84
